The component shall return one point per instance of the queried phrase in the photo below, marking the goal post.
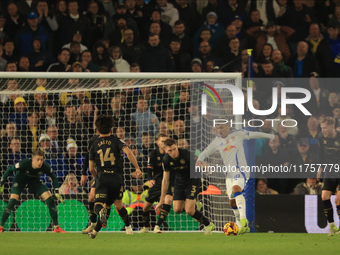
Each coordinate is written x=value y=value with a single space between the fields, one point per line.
x=56 y=99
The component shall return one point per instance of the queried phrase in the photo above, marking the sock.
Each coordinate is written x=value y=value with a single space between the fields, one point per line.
x=97 y=208
x=124 y=215
x=93 y=216
x=328 y=210
x=145 y=216
x=241 y=204
x=199 y=217
x=164 y=213
x=9 y=208
x=53 y=210
x=98 y=226
x=237 y=216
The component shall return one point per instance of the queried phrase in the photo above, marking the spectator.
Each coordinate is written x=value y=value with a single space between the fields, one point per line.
x=196 y=65
x=25 y=6
x=180 y=131
x=336 y=16
x=87 y=113
x=299 y=18
x=216 y=29
x=333 y=100
x=168 y=116
x=24 y=64
x=255 y=19
x=265 y=53
x=3 y=62
x=73 y=159
x=131 y=50
x=186 y=42
x=70 y=186
x=276 y=156
x=146 y=121
x=118 y=64
x=73 y=22
x=182 y=59
x=206 y=55
x=52 y=132
x=53 y=158
x=19 y=117
x=189 y=15
x=116 y=37
x=287 y=141
x=9 y=53
x=119 y=115
x=130 y=22
x=266 y=70
x=24 y=37
x=97 y=22
x=147 y=145
x=46 y=18
x=74 y=52
x=169 y=14
x=303 y=64
x=183 y=144
x=14 y=154
x=155 y=29
x=279 y=65
x=8 y=97
x=40 y=59
x=310 y=187
x=86 y=62
x=228 y=10
x=205 y=36
x=50 y=116
x=11 y=67
x=3 y=35
x=164 y=128
x=234 y=54
x=14 y=22
x=30 y=133
x=8 y=134
x=165 y=28
x=77 y=37
x=182 y=107
x=61 y=10
x=212 y=6
x=262 y=189
x=72 y=127
x=156 y=58
x=319 y=96
x=334 y=41
x=320 y=48
x=272 y=35
x=62 y=64
x=100 y=55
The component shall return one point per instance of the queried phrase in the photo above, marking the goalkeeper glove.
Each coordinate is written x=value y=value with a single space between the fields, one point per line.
x=58 y=196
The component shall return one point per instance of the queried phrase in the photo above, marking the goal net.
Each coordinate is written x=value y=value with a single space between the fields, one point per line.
x=55 y=112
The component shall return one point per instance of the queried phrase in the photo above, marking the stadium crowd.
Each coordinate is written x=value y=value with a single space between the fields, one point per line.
x=290 y=39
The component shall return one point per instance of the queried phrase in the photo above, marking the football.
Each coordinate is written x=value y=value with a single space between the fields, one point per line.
x=230 y=229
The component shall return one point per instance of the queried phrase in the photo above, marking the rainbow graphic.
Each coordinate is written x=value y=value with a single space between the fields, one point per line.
x=209 y=93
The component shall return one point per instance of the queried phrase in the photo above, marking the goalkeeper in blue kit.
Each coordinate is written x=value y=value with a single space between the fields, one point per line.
x=28 y=172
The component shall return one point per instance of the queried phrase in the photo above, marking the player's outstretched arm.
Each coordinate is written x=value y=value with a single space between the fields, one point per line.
x=133 y=160
x=259 y=135
x=165 y=186
x=208 y=151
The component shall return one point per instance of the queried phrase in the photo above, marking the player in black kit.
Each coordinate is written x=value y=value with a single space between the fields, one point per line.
x=186 y=189
x=155 y=176
x=105 y=153
x=329 y=150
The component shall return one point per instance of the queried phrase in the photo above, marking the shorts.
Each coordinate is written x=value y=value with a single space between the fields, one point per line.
x=330 y=184
x=238 y=178
x=36 y=188
x=188 y=191
x=154 y=193
x=108 y=189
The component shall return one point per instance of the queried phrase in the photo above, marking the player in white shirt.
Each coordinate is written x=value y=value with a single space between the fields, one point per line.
x=230 y=146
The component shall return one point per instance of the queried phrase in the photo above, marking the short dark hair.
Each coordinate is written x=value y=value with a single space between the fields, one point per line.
x=74 y=43
x=179 y=22
x=152 y=35
x=204 y=29
x=146 y=134
x=267 y=62
x=86 y=51
x=254 y=10
x=175 y=39
x=38 y=153
x=134 y=65
x=9 y=40
x=15 y=138
x=104 y=124
x=332 y=25
x=61 y=51
x=31 y=112
x=141 y=97
x=72 y=1
x=169 y=142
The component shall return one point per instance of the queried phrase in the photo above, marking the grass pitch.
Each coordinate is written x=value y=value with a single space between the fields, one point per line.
x=167 y=243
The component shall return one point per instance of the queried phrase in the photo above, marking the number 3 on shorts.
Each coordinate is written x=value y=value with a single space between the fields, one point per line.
x=193 y=190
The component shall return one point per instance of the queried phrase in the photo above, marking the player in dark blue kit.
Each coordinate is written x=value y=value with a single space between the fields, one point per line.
x=105 y=154
x=186 y=189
